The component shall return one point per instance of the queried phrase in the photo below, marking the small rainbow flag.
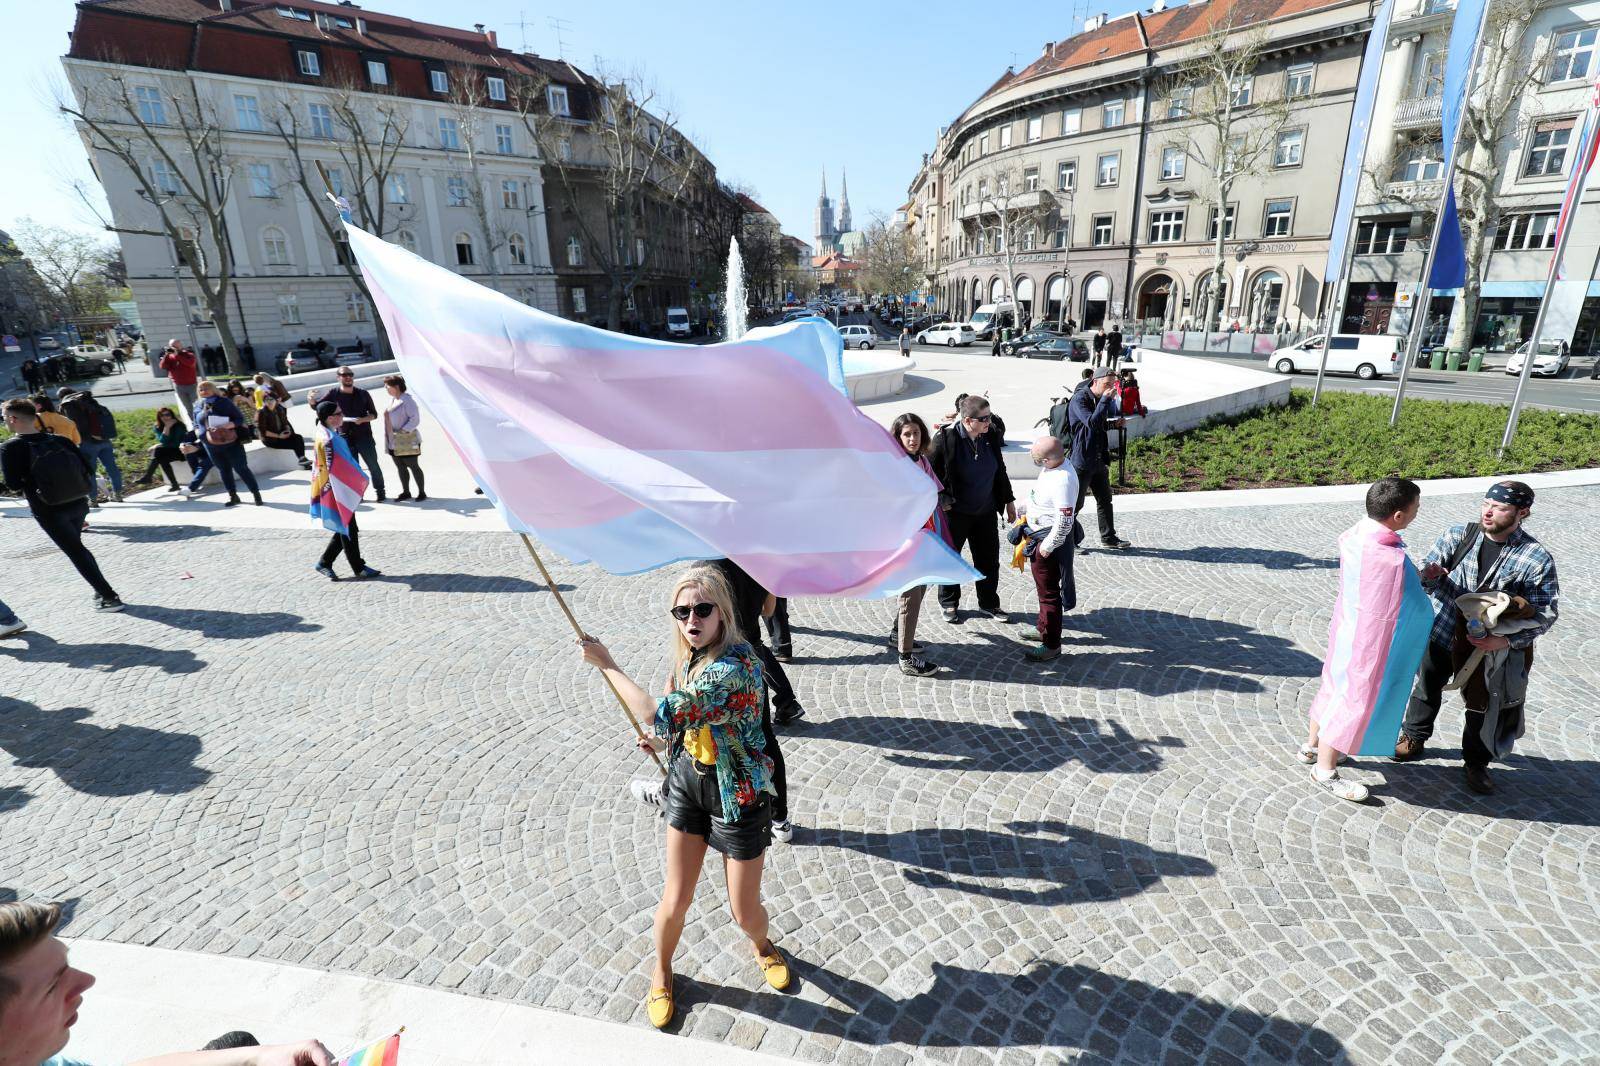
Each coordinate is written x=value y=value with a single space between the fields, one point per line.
x=385 y=1052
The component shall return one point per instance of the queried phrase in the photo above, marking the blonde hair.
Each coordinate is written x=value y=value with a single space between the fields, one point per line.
x=714 y=586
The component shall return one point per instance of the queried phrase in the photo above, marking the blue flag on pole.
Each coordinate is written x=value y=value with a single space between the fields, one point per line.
x=1450 y=261
x=1355 y=148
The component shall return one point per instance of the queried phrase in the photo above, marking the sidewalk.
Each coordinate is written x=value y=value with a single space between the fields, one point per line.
x=152 y=1001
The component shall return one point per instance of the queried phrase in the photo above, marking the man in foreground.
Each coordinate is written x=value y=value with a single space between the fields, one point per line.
x=969 y=461
x=1081 y=428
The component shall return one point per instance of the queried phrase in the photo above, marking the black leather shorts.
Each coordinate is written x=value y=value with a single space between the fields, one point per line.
x=693 y=804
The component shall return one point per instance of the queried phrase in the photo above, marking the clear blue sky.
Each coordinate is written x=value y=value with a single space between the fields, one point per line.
x=772 y=92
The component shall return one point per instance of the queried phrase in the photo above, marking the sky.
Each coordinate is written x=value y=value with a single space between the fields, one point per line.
x=773 y=93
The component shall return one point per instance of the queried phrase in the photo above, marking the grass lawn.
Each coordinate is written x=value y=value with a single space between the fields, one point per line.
x=135 y=434
x=1346 y=439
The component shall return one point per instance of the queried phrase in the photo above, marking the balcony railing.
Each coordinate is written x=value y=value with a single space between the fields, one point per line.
x=1412 y=191
x=1419 y=111
x=1019 y=201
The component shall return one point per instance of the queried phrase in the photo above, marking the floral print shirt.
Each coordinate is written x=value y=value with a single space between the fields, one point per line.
x=719 y=714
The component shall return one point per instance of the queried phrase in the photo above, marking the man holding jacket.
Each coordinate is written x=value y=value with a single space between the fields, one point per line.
x=1080 y=425
x=968 y=458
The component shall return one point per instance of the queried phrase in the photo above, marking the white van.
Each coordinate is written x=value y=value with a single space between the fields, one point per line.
x=1367 y=356
x=986 y=318
x=858 y=337
x=678 y=324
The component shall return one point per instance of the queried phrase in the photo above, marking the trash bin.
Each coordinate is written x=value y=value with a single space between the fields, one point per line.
x=1436 y=361
x=1452 y=360
x=1475 y=360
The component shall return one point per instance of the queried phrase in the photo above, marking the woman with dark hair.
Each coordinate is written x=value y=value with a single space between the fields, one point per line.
x=272 y=422
x=170 y=434
x=336 y=489
x=245 y=401
x=401 y=439
x=719 y=778
x=217 y=426
x=911 y=432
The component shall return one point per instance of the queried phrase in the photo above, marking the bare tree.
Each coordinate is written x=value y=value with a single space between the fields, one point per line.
x=614 y=173
x=1232 y=135
x=71 y=266
x=469 y=99
x=173 y=146
x=715 y=217
x=890 y=260
x=1012 y=206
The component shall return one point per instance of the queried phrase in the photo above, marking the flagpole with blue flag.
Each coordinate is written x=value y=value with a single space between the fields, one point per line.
x=1446 y=263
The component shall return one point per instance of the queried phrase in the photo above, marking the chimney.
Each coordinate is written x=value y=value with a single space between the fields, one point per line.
x=494 y=41
x=1159 y=5
x=478 y=26
x=1094 y=22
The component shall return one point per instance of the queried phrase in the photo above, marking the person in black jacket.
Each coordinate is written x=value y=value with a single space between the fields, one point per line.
x=25 y=461
x=223 y=447
x=1081 y=428
x=968 y=459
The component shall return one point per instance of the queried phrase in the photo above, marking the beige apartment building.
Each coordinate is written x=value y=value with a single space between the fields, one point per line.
x=1089 y=141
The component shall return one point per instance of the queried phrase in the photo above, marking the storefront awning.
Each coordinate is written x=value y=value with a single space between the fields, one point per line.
x=1512 y=288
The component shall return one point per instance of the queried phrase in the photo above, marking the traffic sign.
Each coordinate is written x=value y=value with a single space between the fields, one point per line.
x=10 y=343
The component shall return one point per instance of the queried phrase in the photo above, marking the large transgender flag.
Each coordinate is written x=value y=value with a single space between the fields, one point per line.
x=634 y=453
x=1380 y=630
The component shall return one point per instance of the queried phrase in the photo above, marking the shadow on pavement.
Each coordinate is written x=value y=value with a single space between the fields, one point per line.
x=13 y=799
x=38 y=648
x=155 y=534
x=223 y=625
x=1052 y=1004
x=1267 y=558
x=1038 y=743
x=1528 y=788
x=1078 y=865
x=124 y=760
x=465 y=583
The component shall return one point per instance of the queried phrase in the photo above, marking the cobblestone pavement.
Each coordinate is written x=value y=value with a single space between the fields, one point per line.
x=1113 y=857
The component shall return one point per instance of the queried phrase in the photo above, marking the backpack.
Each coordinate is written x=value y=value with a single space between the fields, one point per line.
x=56 y=470
x=105 y=421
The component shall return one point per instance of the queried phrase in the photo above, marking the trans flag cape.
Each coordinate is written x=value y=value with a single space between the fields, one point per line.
x=1375 y=644
x=338 y=484
x=634 y=453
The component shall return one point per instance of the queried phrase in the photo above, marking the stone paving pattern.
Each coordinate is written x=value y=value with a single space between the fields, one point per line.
x=1110 y=858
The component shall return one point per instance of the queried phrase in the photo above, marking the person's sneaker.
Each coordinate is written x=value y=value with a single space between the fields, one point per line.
x=305 y=464
x=382 y=497
x=233 y=501
x=1042 y=654
x=784 y=656
x=646 y=791
x=1308 y=755
x=789 y=715
x=11 y=629
x=108 y=604
x=916 y=666
x=1478 y=780
x=1407 y=749
x=1117 y=545
x=952 y=616
x=368 y=572
x=327 y=572
x=999 y=614
x=783 y=832
x=1345 y=790
x=403 y=497
x=116 y=497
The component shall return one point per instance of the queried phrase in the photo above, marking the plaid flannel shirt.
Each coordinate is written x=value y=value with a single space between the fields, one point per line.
x=1524 y=569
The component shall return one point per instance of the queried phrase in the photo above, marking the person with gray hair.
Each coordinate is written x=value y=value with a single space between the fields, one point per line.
x=969 y=460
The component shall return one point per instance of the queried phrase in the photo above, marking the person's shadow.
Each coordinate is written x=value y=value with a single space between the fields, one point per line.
x=1050 y=1004
x=1065 y=863
x=38 y=648
x=1211 y=555
x=1038 y=743
x=223 y=625
x=466 y=583
x=13 y=799
x=1528 y=788
x=124 y=760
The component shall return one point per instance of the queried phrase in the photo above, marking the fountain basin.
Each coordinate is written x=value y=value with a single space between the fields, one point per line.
x=873 y=375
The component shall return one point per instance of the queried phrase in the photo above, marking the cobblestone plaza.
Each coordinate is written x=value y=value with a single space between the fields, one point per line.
x=1113 y=857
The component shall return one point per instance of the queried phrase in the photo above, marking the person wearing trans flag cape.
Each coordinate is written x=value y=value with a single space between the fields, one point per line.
x=337 y=485
x=1375 y=642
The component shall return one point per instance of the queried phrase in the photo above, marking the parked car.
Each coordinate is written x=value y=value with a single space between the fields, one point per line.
x=46 y=343
x=1366 y=355
x=85 y=364
x=858 y=337
x=350 y=355
x=1033 y=337
x=949 y=334
x=678 y=324
x=1053 y=347
x=1551 y=360
x=298 y=361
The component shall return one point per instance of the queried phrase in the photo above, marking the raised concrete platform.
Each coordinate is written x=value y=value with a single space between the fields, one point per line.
x=875 y=375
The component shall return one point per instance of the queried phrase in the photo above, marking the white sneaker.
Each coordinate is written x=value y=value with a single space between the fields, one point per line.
x=1345 y=790
x=783 y=831
x=645 y=791
x=13 y=629
x=1308 y=755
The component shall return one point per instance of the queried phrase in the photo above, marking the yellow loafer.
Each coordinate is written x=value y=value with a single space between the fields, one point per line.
x=658 y=1004
x=775 y=969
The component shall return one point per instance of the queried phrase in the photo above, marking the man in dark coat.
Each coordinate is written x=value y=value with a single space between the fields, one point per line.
x=1080 y=424
x=969 y=460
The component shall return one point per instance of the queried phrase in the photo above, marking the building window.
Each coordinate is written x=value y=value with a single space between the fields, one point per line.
x=407 y=240
x=1005 y=136
x=517 y=249
x=1297 y=80
x=294 y=13
x=1067 y=175
x=1166 y=227
x=556 y=97
x=1243 y=88
x=1430 y=80
x=341 y=251
x=261 y=180
x=456 y=190
x=1071 y=121
x=198 y=311
x=1102 y=231
x=1030 y=179
x=1030 y=237
x=1573 y=54
x=399 y=192
x=274 y=246
x=574 y=252
x=463 y=250
x=580 y=302
x=1107 y=169
x=1424 y=162
x=1547 y=150
x=377 y=72
x=321 y=121
x=511 y=195
x=1227 y=224
x=247 y=112
x=439 y=81
x=449 y=134
x=1382 y=236
x=983 y=189
x=289 y=309
x=1291 y=148
x=355 y=308
x=502 y=139
x=151 y=109
x=310 y=65
x=1181 y=102
x=1113 y=112
x=163 y=177
x=564 y=149
x=1279 y=214
x=497 y=89
x=983 y=143
x=1173 y=163
x=1526 y=232
x=1036 y=127
x=1062 y=234
x=336 y=181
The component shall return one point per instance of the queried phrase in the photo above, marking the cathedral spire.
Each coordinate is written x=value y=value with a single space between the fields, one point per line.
x=844 y=201
x=824 y=183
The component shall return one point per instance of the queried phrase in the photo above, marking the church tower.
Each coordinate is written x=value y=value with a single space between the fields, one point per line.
x=844 y=203
x=827 y=236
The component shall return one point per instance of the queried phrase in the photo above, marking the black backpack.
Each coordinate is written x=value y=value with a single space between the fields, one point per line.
x=57 y=470
x=107 y=422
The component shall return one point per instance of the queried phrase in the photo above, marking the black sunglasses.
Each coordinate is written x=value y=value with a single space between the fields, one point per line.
x=980 y=418
x=699 y=610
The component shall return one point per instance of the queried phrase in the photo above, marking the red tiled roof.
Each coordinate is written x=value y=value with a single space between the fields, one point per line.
x=750 y=205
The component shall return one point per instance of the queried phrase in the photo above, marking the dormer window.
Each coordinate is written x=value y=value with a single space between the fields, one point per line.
x=308 y=62
x=438 y=80
x=497 y=88
x=377 y=72
x=556 y=96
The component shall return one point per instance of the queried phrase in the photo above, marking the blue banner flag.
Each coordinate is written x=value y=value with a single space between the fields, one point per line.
x=1355 y=148
x=1450 y=260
